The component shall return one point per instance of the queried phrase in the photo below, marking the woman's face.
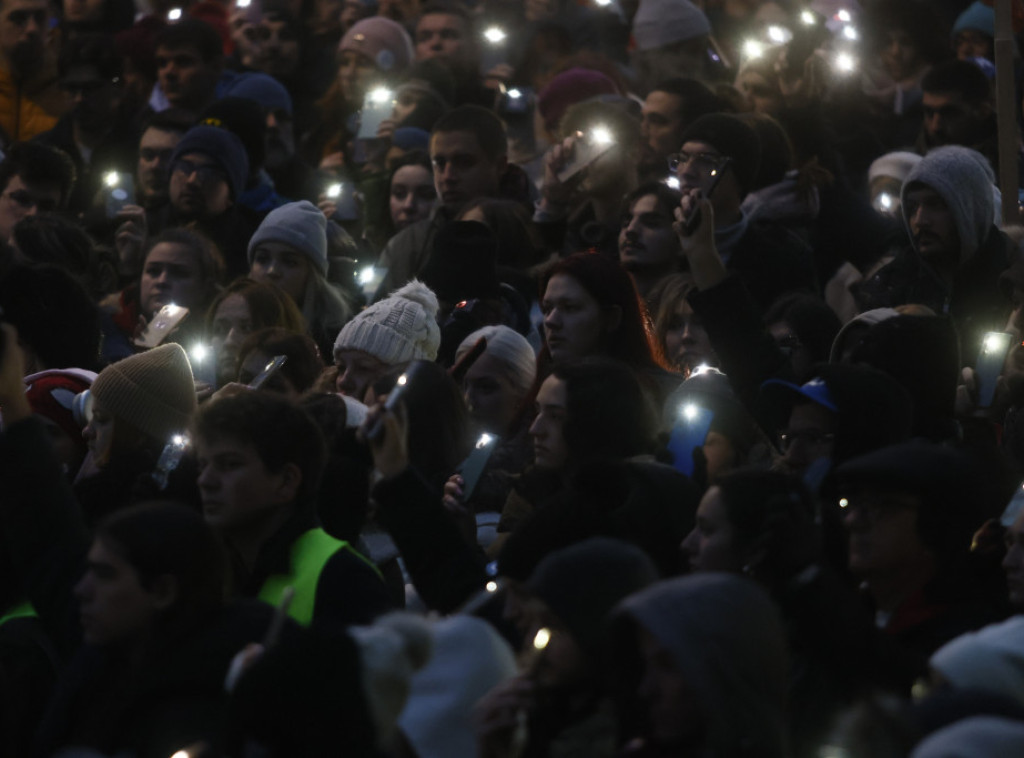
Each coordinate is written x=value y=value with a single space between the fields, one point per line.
x=283 y=266
x=709 y=546
x=171 y=274
x=687 y=344
x=490 y=396
x=574 y=325
x=354 y=74
x=232 y=323
x=413 y=196
x=550 y=450
x=99 y=434
x=113 y=605
x=900 y=57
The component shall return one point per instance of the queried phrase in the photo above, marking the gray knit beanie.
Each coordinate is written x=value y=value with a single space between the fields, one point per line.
x=664 y=22
x=398 y=329
x=299 y=225
x=963 y=179
x=153 y=391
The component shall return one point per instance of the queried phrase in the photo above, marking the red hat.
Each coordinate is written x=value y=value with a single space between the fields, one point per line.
x=51 y=395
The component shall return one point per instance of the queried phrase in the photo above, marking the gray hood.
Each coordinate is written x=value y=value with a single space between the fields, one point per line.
x=726 y=638
x=963 y=179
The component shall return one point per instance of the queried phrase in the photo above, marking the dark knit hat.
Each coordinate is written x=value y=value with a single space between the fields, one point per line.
x=731 y=137
x=221 y=145
x=262 y=88
x=611 y=570
x=463 y=265
x=568 y=88
x=245 y=119
x=153 y=391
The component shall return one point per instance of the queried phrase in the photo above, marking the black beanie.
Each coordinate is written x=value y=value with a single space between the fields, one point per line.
x=731 y=137
x=464 y=263
x=244 y=118
x=581 y=584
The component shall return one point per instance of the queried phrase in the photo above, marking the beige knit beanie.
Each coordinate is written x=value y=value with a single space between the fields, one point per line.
x=153 y=391
x=400 y=328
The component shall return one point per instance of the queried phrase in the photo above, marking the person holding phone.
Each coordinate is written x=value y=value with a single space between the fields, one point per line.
x=768 y=258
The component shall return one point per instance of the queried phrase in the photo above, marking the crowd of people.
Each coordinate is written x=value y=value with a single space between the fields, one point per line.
x=393 y=378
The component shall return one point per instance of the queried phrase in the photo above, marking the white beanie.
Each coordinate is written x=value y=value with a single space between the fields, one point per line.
x=469 y=660
x=893 y=165
x=299 y=225
x=400 y=328
x=390 y=652
x=990 y=659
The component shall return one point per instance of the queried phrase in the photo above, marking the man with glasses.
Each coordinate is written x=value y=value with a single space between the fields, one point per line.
x=910 y=512
x=34 y=178
x=30 y=100
x=208 y=170
x=769 y=259
x=95 y=134
x=844 y=411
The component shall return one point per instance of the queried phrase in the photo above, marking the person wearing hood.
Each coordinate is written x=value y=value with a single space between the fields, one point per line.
x=709 y=669
x=956 y=252
x=563 y=691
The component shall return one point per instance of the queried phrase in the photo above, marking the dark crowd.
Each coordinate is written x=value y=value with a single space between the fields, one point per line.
x=511 y=379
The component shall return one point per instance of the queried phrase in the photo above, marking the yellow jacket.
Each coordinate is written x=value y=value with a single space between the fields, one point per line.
x=31 y=107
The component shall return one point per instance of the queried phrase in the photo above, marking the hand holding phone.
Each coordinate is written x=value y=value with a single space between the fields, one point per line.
x=585 y=149
x=378 y=105
x=163 y=323
x=693 y=220
x=991 y=358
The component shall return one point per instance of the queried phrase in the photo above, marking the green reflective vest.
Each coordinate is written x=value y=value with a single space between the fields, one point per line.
x=20 y=611
x=309 y=554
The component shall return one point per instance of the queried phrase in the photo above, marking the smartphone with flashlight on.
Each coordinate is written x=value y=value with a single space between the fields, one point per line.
x=118 y=190
x=378 y=105
x=473 y=467
x=995 y=346
x=493 y=49
x=587 y=148
x=693 y=219
x=346 y=206
x=394 y=398
x=161 y=325
x=688 y=433
x=273 y=366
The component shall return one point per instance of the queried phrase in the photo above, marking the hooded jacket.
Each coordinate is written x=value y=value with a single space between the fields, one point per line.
x=727 y=640
x=963 y=179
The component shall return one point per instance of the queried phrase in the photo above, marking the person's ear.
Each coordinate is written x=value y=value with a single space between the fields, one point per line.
x=290 y=482
x=164 y=592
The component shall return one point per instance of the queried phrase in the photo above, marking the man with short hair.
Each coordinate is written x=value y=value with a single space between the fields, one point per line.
x=95 y=134
x=648 y=245
x=469 y=150
x=261 y=459
x=34 y=178
x=189 y=63
x=160 y=135
x=667 y=111
x=30 y=100
x=958 y=110
x=445 y=33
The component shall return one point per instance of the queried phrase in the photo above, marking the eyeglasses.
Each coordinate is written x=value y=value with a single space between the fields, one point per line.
x=206 y=173
x=27 y=201
x=809 y=437
x=703 y=162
